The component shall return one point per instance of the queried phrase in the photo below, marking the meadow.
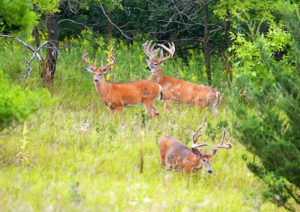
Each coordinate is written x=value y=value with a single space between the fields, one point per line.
x=72 y=156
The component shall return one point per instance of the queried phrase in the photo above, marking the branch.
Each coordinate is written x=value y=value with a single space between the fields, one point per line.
x=75 y=22
x=25 y=44
x=109 y=20
x=33 y=56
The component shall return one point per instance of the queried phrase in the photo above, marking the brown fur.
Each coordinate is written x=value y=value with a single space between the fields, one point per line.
x=116 y=96
x=177 y=156
x=177 y=90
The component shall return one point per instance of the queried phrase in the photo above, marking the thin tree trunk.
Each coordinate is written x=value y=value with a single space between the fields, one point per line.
x=228 y=45
x=206 y=49
x=49 y=65
x=35 y=34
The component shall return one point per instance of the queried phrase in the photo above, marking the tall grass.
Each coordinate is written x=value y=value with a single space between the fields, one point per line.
x=79 y=158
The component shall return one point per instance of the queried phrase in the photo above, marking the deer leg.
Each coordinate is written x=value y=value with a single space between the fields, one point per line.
x=148 y=109
x=120 y=110
x=167 y=105
x=112 y=112
x=154 y=111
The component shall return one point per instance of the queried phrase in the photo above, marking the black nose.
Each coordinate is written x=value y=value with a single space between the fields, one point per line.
x=148 y=68
x=209 y=171
x=96 y=80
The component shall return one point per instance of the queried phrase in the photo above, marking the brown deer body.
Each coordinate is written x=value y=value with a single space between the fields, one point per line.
x=176 y=155
x=177 y=90
x=116 y=96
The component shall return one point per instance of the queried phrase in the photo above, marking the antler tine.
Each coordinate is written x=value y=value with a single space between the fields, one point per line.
x=198 y=145
x=228 y=145
x=112 y=61
x=146 y=47
x=90 y=67
x=161 y=53
x=223 y=136
x=95 y=62
x=170 y=50
x=149 y=50
x=196 y=136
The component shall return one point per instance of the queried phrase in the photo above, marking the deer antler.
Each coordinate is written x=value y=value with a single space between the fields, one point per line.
x=195 y=138
x=228 y=145
x=170 y=50
x=112 y=61
x=90 y=67
x=149 y=50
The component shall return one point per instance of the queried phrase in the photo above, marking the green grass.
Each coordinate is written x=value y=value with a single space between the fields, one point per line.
x=72 y=156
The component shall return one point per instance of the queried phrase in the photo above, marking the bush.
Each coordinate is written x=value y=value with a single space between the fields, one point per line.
x=16 y=103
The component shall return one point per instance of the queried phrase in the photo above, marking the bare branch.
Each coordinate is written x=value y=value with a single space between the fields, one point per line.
x=75 y=22
x=35 y=54
x=21 y=41
x=126 y=36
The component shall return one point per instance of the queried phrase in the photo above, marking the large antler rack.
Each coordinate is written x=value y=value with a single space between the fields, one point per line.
x=228 y=145
x=149 y=50
x=170 y=50
x=195 y=138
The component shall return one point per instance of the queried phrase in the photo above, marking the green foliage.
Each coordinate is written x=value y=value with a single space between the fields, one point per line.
x=48 y=7
x=266 y=103
x=16 y=103
x=17 y=15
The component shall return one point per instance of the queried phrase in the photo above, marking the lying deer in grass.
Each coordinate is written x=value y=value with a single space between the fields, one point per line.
x=177 y=90
x=116 y=96
x=178 y=156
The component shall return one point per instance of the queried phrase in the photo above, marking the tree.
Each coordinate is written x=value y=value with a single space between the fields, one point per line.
x=266 y=102
x=17 y=16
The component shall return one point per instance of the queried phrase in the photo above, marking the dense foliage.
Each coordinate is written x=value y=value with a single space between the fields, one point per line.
x=268 y=105
x=17 y=103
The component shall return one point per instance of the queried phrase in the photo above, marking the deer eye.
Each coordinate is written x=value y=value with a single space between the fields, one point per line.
x=204 y=159
x=155 y=64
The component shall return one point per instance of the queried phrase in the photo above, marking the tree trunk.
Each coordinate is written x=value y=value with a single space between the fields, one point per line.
x=227 y=52
x=35 y=34
x=206 y=50
x=49 y=65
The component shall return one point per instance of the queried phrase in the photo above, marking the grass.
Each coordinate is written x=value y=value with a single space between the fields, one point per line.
x=73 y=156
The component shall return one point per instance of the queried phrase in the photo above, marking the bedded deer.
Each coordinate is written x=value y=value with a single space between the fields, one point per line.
x=176 y=155
x=116 y=96
x=177 y=90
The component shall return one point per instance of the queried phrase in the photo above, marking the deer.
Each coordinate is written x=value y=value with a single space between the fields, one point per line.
x=174 y=89
x=176 y=155
x=118 y=95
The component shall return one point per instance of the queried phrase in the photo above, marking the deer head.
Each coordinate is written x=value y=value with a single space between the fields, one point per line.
x=206 y=157
x=153 y=63
x=98 y=73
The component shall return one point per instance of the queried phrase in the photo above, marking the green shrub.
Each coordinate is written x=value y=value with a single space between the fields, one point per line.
x=16 y=103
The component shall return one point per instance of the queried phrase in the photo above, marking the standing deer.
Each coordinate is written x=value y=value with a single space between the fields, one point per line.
x=115 y=96
x=176 y=155
x=177 y=90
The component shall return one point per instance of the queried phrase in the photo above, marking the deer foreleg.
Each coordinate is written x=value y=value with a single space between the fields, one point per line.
x=167 y=105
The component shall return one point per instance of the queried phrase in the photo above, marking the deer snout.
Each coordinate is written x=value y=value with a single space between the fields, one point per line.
x=96 y=80
x=148 y=68
x=209 y=171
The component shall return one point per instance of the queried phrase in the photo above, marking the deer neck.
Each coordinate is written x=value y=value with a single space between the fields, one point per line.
x=102 y=88
x=158 y=76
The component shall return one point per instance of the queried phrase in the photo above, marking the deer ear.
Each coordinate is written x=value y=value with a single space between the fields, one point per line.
x=89 y=69
x=105 y=70
x=197 y=152
x=148 y=61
